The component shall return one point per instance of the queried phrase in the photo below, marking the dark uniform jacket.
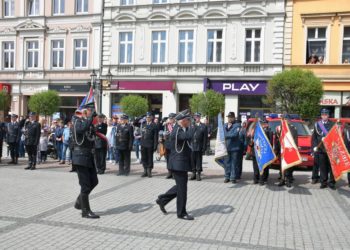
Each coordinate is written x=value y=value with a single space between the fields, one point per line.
x=149 y=135
x=318 y=134
x=167 y=133
x=83 y=142
x=199 y=137
x=232 y=137
x=124 y=137
x=100 y=143
x=2 y=131
x=347 y=138
x=32 y=132
x=13 y=132
x=180 y=156
x=250 y=138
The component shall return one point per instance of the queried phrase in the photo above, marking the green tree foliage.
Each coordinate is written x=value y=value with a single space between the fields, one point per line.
x=208 y=103
x=45 y=103
x=295 y=91
x=134 y=105
x=4 y=99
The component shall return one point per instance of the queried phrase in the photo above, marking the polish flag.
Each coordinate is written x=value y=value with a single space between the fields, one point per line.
x=289 y=151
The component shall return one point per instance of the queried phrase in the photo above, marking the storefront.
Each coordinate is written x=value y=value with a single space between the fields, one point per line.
x=338 y=103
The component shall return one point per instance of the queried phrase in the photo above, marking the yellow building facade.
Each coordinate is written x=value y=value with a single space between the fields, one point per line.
x=317 y=38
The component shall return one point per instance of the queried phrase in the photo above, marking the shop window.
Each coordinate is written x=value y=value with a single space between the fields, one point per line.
x=346 y=45
x=316 y=45
x=214 y=46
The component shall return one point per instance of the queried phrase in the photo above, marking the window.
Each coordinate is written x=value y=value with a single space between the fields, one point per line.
x=346 y=45
x=252 y=45
x=82 y=6
x=316 y=45
x=125 y=47
x=32 y=54
x=126 y=2
x=9 y=8
x=214 y=53
x=158 y=46
x=186 y=46
x=159 y=1
x=80 y=53
x=8 y=55
x=186 y=1
x=58 y=7
x=57 y=54
x=33 y=7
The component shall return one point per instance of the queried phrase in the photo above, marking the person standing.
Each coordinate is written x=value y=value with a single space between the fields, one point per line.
x=233 y=145
x=347 y=143
x=13 y=137
x=199 y=145
x=2 y=137
x=321 y=129
x=58 y=140
x=149 y=141
x=110 y=138
x=137 y=143
x=32 y=130
x=101 y=146
x=168 y=128
x=243 y=139
x=114 y=134
x=66 y=140
x=180 y=165
x=124 y=140
x=43 y=144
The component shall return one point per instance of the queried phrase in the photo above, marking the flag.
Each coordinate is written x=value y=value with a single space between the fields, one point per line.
x=289 y=151
x=337 y=153
x=263 y=151
x=89 y=100
x=220 y=145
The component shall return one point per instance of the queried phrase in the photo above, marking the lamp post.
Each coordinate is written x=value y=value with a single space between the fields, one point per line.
x=94 y=86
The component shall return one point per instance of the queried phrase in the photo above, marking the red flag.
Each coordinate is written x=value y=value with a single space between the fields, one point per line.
x=289 y=151
x=337 y=153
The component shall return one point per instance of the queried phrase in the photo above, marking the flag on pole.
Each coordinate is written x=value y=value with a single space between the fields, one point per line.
x=337 y=153
x=263 y=151
x=89 y=100
x=290 y=156
x=220 y=145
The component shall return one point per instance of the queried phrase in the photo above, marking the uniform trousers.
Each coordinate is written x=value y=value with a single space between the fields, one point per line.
x=197 y=161
x=14 y=150
x=147 y=157
x=316 y=168
x=124 y=161
x=257 y=176
x=87 y=178
x=32 y=153
x=325 y=169
x=179 y=191
x=100 y=158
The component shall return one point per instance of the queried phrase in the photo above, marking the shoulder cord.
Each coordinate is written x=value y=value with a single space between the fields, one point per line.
x=348 y=134
x=75 y=135
x=317 y=131
x=183 y=145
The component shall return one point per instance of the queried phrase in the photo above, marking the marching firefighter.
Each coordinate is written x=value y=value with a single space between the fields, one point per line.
x=13 y=132
x=124 y=141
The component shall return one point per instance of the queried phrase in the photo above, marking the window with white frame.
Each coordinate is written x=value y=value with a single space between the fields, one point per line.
x=58 y=7
x=32 y=54
x=186 y=46
x=57 y=54
x=80 y=53
x=126 y=2
x=215 y=40
x=186 y=1
x=125 y=47
x=8 y=55
x=33 y=7
x=252 y=45
x=316 y=45
x=346 y=45
x=159 y=1
x=82 y=6
x=9 y=8
x=158 y=46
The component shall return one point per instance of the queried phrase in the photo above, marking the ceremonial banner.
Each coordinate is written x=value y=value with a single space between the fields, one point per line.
x=263 y=151
x=337 y=152
x=89 y=100
x=220 y=145
x=289 y=151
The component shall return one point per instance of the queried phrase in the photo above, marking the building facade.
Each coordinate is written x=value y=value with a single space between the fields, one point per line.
x=49 y=44
x=317 y=38
x=168 y=50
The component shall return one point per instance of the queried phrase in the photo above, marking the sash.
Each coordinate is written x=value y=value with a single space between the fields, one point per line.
x=323 y=128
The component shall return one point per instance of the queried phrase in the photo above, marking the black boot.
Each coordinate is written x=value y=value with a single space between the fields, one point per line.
x=149 y=172
x=144 y=172
x=85 y=207
x=12 y=161
x=16 y=160
x=193 y=176
x=169 y=175
x=77 y=204
x=199 y=176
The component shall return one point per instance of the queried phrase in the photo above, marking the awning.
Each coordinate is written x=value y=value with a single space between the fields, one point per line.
x=143 y=85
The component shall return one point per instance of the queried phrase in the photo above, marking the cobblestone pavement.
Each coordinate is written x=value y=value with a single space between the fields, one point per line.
x=36 y=212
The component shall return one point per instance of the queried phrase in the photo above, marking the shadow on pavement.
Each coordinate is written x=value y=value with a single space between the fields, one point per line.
x=133 y=208
x=210 y=209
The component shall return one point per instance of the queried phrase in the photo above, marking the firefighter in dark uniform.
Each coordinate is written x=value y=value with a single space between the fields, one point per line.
x=180 y=165
x=124 y=141
x=101 y=146
x=83 y=133
x=199 y=145
x=13 y=132
x=32 y=130
x=321 y=129
x=149 y=141
x=168 y=128
x=347 y=144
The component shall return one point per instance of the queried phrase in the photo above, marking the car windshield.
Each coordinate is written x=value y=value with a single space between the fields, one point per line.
x=303 y=130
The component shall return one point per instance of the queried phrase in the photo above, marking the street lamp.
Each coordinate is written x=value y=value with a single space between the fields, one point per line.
x=93 y=78
x=109 y=77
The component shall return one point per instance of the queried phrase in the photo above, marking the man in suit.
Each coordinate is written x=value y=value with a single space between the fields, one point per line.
x=32 y=130
x=101 y=146
x=13 y=132
x=124 y=141
x=199 y=145
x=168 y=128
x=149 y=141
x=180 y=165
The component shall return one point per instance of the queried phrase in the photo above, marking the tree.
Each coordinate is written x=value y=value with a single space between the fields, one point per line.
x=208 y=103
x=4 y=99
x=295 y=91
x=45 y=103
x=134 y=105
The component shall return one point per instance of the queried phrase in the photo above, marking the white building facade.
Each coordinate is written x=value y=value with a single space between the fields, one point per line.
x=168 y=50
